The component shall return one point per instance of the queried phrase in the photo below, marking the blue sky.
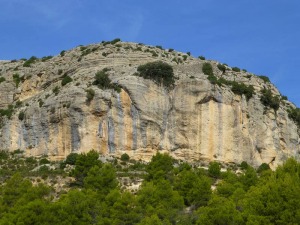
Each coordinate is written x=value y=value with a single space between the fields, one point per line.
x=261 y=36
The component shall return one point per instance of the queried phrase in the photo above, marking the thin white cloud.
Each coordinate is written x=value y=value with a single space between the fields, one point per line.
x=54 y=13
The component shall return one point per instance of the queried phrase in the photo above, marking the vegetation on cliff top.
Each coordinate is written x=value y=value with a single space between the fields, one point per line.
x=159 y=72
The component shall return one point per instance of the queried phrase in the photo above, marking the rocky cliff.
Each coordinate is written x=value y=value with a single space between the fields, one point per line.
x=196 y=120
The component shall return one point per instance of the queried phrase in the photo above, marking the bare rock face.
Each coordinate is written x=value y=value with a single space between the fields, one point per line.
x=194 y=121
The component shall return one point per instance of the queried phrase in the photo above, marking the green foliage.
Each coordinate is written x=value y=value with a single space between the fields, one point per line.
x=41 y=102
x=71 y=158
x=17 y=79
x=103 y=81
x=62 y=53
x=221 y=211
x=114 y=41
x=55 y=90
x=242 y=89
x=160 y=199
x=21 y=115
x=222 y=67
x=7 y=112
x=263 y=167
x=101 y=179
x=3 y=155
x=201 y=57
x=44 y=161
x=125 y=157
x=207 y=69
x=195 y=189
x=84 y=162
x=2 y=79
x=30 y=61
x=160 y=72
x=268 y=100
x=265 y=79
x=66 y=79
x=294 y=114
x=236 y=69
x=160 y=167
x=273 y=197
x=244 y=165
x=90 y=93
x=45 y=58
x=214 y=169
x=237 y=88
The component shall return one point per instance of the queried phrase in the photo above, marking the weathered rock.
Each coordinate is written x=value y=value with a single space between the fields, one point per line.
x=194 y=121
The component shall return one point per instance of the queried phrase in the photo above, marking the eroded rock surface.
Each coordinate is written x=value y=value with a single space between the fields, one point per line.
x=194 y=121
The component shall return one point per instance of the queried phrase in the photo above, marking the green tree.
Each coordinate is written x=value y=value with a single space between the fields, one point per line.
x=161 y=166
x=84 y=162
x=207 y=69
x=71 y=158
x=221 y=211
x=66 y=79
x=159 y=72
x=160 y=199
x=101 y=179
x=214 y=169
x=196 y=190
x=125 y=157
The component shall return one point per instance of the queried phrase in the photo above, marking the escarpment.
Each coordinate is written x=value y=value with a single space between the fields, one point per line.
x=53 y=107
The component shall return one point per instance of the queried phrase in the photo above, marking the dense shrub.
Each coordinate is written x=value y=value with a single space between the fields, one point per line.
x=265 y=79
x=7 y=112
x=55 y=90
x=103 y=81
x=242 y=89
x=2 y=79
x=222 y=67
x=201 y=57
x=44 y=161
x=294 y=114
x=21 y=115
x=17 y=79
x=269 y=100
x=207 y=69
x=116 y=40
x=30 y=61
x=66 y=79
x=125 y=157
x=71 y=158
x=244 y=165
x=159 y=72
x=62 y=53
x=214 y=169
x=90 y=93
x=236 y=69
x=45 y=58
x=263 y=167
x=236 y=88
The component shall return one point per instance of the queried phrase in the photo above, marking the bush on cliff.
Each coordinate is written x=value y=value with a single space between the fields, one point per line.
x=159 y=72
x=103 y=81
x=207 y=69
x=269 y=100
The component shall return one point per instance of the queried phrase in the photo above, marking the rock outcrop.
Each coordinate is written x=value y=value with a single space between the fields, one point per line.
x=194 y=121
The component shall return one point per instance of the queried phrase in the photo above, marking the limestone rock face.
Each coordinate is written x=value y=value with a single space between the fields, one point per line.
x=194 y=121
